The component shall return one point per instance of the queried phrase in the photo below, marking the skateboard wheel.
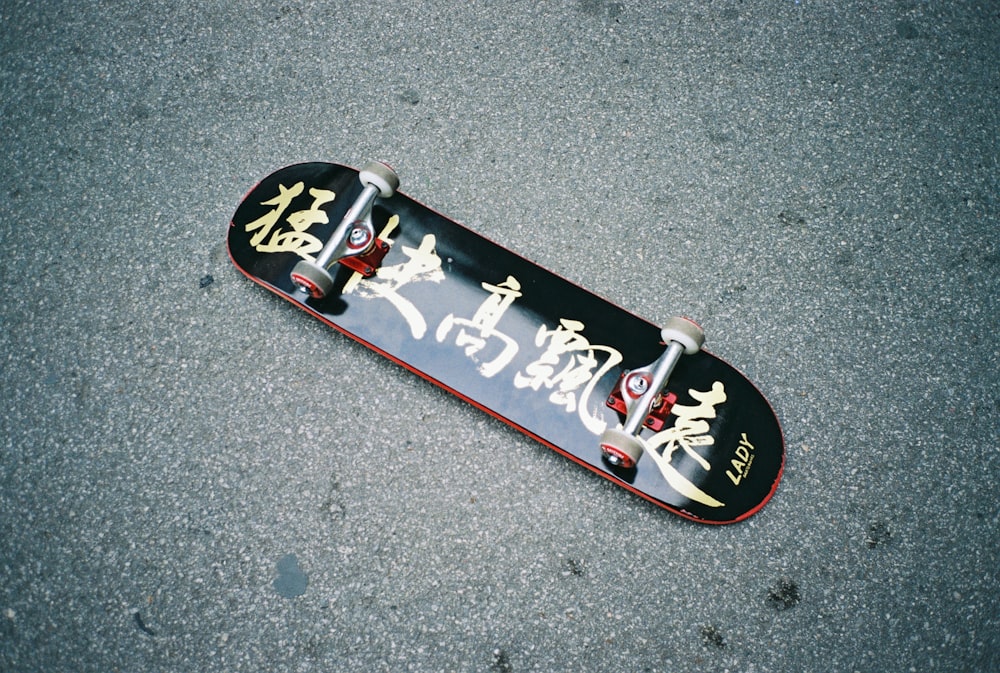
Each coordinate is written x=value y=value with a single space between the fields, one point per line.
x=380 y=175
x=312 y=278
x=620 y=448
x=686 y=332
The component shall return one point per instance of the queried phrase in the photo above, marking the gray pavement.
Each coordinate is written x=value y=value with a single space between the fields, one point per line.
x=194 y=476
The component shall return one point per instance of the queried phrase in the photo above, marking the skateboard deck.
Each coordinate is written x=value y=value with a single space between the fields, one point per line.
x=516 y=340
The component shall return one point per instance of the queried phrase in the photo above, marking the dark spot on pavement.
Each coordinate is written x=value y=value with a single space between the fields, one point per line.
x=878 y=534
x=137 y=617
x=711 y=636
x=291 y=582
x=501 y=662
x=784 y=594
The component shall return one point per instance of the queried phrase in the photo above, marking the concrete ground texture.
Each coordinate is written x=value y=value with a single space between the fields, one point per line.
x=196 y=476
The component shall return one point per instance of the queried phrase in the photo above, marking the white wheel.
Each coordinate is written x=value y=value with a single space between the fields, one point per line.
x=312 y=278
x=620 y=448
x=380 y=175
x=686 y=332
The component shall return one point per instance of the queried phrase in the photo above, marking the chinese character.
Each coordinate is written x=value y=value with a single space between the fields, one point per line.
x=690 y=429
x=296 y=240
x=474 y=334
x=423 y=265
x=570 y=366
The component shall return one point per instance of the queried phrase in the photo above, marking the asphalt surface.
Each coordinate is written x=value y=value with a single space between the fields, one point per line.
x=195 y=476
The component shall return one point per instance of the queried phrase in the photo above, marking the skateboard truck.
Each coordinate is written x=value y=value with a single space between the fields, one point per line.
x=353 y=243
x=631 y=385
x=639 y=394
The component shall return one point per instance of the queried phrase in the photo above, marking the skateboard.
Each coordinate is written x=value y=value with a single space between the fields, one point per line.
x=643 y=406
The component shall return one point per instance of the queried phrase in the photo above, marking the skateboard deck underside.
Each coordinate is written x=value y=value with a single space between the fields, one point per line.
x=516 y=340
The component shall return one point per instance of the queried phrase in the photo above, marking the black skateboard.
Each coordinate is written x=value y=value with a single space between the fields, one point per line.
x=644 y=407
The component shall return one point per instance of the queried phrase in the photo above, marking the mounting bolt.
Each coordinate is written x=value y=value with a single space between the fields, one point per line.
x=637 y=384
x=359 y=237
